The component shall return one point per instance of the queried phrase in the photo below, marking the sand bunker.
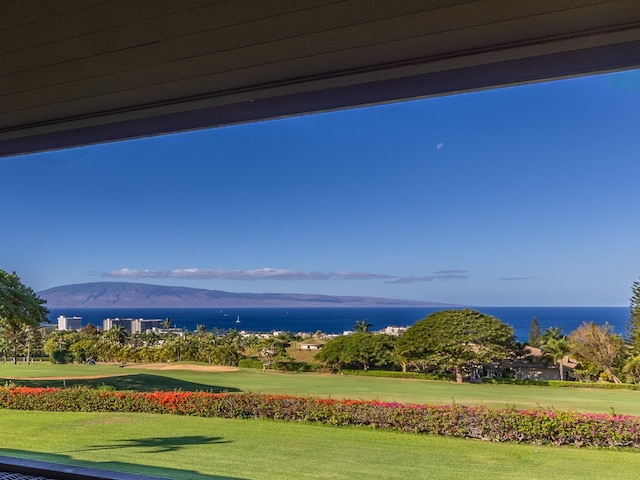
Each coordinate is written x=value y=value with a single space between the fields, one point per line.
x=144 y=366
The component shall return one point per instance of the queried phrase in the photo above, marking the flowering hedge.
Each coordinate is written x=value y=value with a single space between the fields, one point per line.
x=529 y=426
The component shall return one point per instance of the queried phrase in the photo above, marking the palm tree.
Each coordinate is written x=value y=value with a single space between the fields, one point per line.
x=117 y=335
x=550 y=333
x=557 y=348
x=362 y=326
x=520 y=350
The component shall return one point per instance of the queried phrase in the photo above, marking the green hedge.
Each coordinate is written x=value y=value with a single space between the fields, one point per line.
x=394 y=374
x=250 y=363
x=564 y=384
x=282 y=366
x=537 y=426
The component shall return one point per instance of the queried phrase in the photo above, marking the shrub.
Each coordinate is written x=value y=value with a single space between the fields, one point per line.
x=250 y=363
x=396 y=374
x=528 y=426
x=295 y=366
x=564 y=384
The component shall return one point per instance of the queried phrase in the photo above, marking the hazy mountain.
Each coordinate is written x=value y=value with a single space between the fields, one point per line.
x=123 y=294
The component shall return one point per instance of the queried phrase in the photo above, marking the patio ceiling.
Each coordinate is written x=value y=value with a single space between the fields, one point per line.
x=77 y=72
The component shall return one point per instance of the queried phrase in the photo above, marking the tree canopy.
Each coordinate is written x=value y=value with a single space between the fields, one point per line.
x=362 y=350
x=453 y=339
x=598 y=345
x=21 y=310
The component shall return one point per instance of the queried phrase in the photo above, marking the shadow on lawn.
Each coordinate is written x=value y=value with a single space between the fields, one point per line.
x=162 y=444
x=59 y=463
x=139 y=382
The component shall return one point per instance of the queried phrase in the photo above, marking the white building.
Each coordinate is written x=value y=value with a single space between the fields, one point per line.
x=133 y=325
x=69 y=323
x=394 y=330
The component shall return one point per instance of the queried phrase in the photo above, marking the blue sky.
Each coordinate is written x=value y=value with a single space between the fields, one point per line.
x=516 y=196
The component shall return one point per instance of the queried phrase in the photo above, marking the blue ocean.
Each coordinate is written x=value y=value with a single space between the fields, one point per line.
x=338 y=320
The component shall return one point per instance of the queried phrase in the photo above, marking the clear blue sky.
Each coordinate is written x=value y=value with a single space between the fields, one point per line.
x=517 y=196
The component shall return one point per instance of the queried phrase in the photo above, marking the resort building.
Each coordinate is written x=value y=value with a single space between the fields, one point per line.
x=133 y=325
x=396 y=331
x=69 y=323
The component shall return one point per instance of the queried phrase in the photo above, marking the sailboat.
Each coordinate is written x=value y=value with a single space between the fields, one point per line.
x=238 y=319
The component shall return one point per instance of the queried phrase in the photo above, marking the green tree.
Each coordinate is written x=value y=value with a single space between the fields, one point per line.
x=227 y=349
x=90 y=330
x=550 y=333
x=117 y=335
x=359 y=350
x=598 y=345
x=84 y=349
x=269 y=350
x=34 y=340
x=4 y=347
x=557 y=349
x=376 y=350
x=456 y=339
x=334 y=354
x=58 y=344
x=633 y=324
x=632 y=370
x=362 y=326
x=535 y=334
x=20 y=310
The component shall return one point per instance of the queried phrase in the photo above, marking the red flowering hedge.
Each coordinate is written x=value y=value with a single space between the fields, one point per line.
x=529 y=426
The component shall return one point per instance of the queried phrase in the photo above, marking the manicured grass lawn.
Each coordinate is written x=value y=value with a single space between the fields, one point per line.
x=209 y=448
x=335 y=386
x=199 y=448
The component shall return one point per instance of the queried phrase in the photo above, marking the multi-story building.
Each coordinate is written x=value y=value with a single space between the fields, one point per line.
x=69 y=323
x=132 y=325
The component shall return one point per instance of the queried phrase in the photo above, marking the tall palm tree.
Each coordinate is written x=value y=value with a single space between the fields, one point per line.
x=557 y=348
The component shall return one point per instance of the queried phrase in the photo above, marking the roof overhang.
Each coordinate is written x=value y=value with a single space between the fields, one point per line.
x=83 y=72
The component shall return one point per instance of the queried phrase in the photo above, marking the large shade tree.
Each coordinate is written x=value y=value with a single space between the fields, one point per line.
x=456 y=339
x=21 y=311
x=359 y=350
x=598 y=345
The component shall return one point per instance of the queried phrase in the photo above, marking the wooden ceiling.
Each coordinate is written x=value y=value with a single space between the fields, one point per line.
x=77 y=72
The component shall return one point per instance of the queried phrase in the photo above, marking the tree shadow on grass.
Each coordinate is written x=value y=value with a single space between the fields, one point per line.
x=50 y=463
x=139 y=382
x=161 y=444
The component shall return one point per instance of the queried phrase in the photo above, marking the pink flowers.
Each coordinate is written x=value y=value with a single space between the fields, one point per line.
x=536 y=426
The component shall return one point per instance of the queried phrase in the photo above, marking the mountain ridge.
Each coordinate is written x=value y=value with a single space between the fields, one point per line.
x=129 y=294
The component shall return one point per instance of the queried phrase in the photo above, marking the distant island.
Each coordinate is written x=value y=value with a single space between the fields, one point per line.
x=126 y=294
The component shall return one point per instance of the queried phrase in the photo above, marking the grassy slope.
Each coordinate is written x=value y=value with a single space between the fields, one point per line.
x=253 y=449
x=200 y=448
x=336 y=386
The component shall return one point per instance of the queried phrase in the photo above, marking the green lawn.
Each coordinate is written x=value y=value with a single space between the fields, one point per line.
x=209 y=448
x=336 y=386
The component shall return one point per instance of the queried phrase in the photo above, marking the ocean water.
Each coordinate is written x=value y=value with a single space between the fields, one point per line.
x=338 y=320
